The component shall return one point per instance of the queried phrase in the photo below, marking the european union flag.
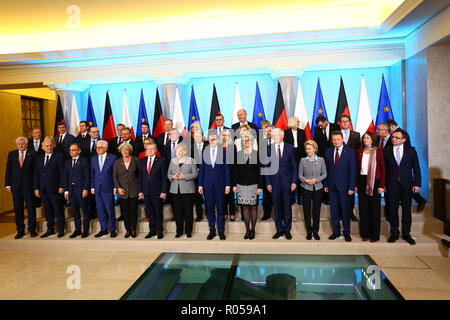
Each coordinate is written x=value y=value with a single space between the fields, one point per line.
x=319 y=107
x=258 y=109
x=384 y=112
x=90 y=116
x=142 y=115
x=193 y=111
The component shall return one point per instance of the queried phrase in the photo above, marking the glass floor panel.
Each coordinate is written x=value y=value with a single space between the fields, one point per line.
x=192 y=276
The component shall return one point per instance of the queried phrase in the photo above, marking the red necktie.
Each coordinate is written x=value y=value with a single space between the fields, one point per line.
x=336 y=158
x=149 y=165
x=382 y=143
x=21 y=159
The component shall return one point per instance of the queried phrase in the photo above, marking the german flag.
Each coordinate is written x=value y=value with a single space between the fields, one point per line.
x=59 y=114
x=342 y=106
x=215 y=109
x=279 y=117
x=109 y=129
x=158 y=119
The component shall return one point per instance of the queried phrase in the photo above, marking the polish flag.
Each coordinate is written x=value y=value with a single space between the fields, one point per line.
x=74 y=119
x=300 y=112
x=364 y=120
x=178 y=119
x=237 y=105
x=126 y=121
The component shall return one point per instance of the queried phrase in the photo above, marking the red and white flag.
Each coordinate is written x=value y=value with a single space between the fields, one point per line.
x=237 y=105
x=364 y=120
x=300 y=112
x=178 y=119
x=126 y=120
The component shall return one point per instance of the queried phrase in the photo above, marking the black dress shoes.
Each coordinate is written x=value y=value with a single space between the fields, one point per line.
x=127 y=235
x=265 y=218
x=198 y=219
x=316 y=236
x=178 y=235
x=133 y=234
x=33 y=234
x=309 y=236
x=20 y=235
x=75 y=234
x=60 y=234
x=421 y=206
x=101 y=233
x=113 y=234
x=288 y=235
x=211 y=235
x=393 y=238
x=160 y=235
x=407 y=237
x=222 y=236
x=85 y=234
x=251 y=235
x=353 y=217
x=47 y=234
x=347 y=238
x=334 y=236
x=150 y=235
x=277 y=235
x=120 y=218
x=188 y=235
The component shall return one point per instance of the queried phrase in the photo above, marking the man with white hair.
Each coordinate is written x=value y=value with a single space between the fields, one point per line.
x=242 y=116
x=19 y=182
x=102 y=185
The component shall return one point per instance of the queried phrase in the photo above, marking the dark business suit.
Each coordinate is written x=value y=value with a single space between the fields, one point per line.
x=286 y=174
x=322 y=141
x=117 y=152
x=400 y=180
x=113 y=144
x=161 y=141
x=299 y=153
x=235 y=129
x=267 y=196
x=197 y=156
x=48 y=179
x=139 y=144
x=64 y=146
x=103 y=184
x=21 y=182
x=77 y=177
x=340 y=179
x=39 y=151
x=353 y=142
x=214 y=180
x=127 y=179
x=152 y=185
x=84 y=143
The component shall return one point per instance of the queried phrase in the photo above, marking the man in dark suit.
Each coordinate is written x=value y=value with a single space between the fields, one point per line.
x=77 y=180
x=94 y=137
x=139 y=142
x=352 y=139
x=49 y=186
x=322 y=134
x=281 y=182
x=196 y=148
x=153 y=189
x=402 y=180
x=340 y=183
x=102 y=185
x=19 y=182
x=384 y=140
x=35 y=143
x=267 y=142
x=83 y=139
x=214 y=182
x=63 y=140
x=126 y=138
x=164 y=137
x=242 y=116
x=115 y=142
x=219 y=120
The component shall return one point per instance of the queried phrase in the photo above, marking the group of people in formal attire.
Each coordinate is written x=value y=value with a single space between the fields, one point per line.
x=232 y=166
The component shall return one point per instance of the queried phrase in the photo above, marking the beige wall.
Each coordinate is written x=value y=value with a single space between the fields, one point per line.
x=11 y=122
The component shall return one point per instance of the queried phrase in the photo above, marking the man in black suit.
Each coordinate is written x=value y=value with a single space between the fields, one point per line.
x=384 y=140
x=322 y=134
x=90 y=151
x=19 y=182
x=296 y=137
x=63 y=140
x=242 y=116
x=352 y=140
x=83 y=139
x=196 y=148
x=126 y=138
x=402 y=180
x=115 y=142
x=77 y=182
x=48 y=185
x=153 y=189
x=139 y=142
x=267 y=142
x=35 y=143
x=421 y=201
x=164 y=137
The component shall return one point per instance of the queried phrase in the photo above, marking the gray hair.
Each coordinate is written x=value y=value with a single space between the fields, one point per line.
x=102 y=142
x=21 y=139
x=181 y=146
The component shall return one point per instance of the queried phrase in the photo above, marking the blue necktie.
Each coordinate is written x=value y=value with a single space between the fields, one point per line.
x=397 y=156
x=46 y=161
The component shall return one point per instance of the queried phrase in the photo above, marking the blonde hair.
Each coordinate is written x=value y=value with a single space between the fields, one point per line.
x=293 y=122
x=49 y=138
x=244 y=126
x=313 y=144
x=227 y=133
x=126 y=146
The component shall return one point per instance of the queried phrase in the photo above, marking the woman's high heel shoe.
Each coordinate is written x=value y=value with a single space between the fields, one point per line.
x=252 y=234
x=127 y=235
x=247 y=235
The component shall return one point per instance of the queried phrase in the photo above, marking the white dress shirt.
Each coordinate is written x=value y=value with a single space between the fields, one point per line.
x=49 y=155
x=294 y=134
x=281 y=148
x=365 y=164
x=61 y=137
x=346 y=134
x=24 y=155
x=339 y=150
x=153 y=161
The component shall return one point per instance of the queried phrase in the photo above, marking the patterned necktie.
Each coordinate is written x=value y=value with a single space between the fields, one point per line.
x=397 y=155
x=21 y=159
x=149 y=165
x=336 y=157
